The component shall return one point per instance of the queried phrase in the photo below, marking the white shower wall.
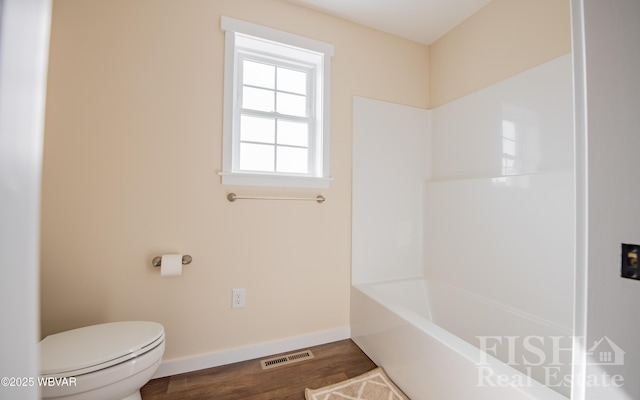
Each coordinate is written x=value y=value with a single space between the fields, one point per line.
x=527 y=118
x=511 y=244
x=391 y=144
x=477 y=193
x=499 y=210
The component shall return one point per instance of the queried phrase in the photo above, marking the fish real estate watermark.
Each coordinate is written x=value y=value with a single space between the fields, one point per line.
x=545 y=359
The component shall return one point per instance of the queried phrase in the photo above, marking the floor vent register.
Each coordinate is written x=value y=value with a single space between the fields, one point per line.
x=286 y=359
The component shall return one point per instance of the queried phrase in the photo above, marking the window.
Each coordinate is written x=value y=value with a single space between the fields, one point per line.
x=276 y=110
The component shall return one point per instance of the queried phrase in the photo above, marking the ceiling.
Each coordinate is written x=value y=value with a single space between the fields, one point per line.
x=423 y=21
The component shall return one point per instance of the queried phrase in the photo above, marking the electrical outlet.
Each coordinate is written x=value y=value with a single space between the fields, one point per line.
x=629 y=262
x=237 y=296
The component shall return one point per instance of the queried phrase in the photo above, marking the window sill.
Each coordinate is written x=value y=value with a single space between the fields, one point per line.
x=287 y=181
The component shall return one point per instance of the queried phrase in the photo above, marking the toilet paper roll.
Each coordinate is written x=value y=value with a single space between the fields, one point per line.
x=171 y=265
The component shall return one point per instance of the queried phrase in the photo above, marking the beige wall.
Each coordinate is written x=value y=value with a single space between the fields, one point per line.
x=132 y=150
x=502 y=39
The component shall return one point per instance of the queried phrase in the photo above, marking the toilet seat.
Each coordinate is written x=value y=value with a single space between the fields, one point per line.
x=92 y=348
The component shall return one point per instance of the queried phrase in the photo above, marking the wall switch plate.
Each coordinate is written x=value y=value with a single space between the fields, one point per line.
x=629 y=261
x=237 y=298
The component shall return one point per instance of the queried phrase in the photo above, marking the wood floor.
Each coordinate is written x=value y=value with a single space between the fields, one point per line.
x=332 y=363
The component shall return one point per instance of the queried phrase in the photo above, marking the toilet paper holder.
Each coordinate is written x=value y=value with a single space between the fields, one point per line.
x=157 y=261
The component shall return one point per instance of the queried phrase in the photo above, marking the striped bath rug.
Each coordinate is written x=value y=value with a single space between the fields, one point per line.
x=373 y=385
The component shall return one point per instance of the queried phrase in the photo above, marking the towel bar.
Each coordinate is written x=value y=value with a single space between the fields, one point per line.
x=233 y=197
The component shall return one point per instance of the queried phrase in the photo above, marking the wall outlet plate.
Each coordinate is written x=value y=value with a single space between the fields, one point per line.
x=237 y=298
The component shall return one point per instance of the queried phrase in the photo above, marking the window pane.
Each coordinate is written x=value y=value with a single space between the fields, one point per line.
x=257 y=74
x=258 y=99
x=508 y=130
x=290 y=80
x=293 y=160
x=509 y=147
x=293 y=133
x=292 y=104
x=253 y=129
x=256 y=157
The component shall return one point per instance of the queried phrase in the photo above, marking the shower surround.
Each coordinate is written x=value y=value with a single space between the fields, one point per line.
x=476 y=195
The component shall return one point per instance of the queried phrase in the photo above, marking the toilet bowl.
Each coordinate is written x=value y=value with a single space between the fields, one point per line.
x=109 y=361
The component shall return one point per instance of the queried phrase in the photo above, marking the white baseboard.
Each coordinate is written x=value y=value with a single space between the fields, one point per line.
x=230 y=356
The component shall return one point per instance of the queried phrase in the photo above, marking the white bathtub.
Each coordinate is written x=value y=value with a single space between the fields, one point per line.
x=425 y=335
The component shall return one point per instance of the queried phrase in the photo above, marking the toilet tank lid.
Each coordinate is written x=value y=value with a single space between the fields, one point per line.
x=96 y=344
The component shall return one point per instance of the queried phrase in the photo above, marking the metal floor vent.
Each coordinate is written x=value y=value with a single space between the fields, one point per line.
x=286 y=359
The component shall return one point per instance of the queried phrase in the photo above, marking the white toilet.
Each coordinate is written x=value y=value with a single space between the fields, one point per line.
x=109 y=361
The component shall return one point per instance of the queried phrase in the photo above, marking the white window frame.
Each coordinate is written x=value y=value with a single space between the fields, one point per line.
x=244 y=40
